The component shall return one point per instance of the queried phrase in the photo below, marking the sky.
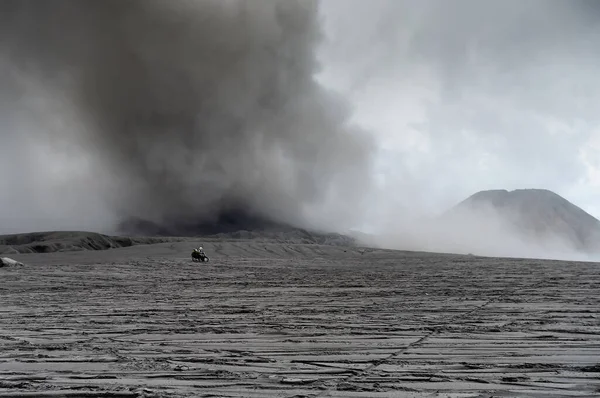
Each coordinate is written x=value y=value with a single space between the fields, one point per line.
x=466 y=96
x=446 y=99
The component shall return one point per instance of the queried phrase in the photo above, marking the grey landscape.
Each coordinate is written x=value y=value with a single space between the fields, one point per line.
x=341 y=261
x=269 y=318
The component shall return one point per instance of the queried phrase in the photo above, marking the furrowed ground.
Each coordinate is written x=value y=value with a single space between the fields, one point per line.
x=277 y=320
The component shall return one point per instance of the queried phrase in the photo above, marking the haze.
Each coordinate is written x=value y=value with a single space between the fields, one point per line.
x=337 y=115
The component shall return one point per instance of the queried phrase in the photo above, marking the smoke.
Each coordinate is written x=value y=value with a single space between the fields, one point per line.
x=180 y=113
x=466 y=96
x=485 y=232
x=193 y=116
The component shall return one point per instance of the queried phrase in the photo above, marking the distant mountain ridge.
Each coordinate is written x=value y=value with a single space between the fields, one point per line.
x=66 y=241
x=535 y=214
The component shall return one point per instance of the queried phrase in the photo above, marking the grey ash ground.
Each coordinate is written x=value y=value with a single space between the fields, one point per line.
x=295 y=320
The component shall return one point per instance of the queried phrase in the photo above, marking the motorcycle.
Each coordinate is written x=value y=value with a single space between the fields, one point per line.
x=199 y=256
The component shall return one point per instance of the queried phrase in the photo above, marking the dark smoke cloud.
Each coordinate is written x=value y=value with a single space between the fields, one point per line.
x=183 y=111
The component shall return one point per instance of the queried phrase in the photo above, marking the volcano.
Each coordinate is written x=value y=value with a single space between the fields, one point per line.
x=532 y=214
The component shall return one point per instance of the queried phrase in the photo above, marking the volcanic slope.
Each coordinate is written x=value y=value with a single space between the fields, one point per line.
x=534 y=214
x=65 y=241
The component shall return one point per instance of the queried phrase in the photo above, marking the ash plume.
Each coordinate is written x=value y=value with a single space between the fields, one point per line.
x=179 y=113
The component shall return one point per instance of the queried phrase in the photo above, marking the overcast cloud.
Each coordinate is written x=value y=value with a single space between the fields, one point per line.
x=471 y=95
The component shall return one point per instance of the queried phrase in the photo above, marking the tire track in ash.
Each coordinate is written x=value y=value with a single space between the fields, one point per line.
x=435 y=331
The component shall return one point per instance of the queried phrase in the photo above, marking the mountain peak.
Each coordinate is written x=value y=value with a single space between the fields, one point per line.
x=533 y=214
x=519 y=194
